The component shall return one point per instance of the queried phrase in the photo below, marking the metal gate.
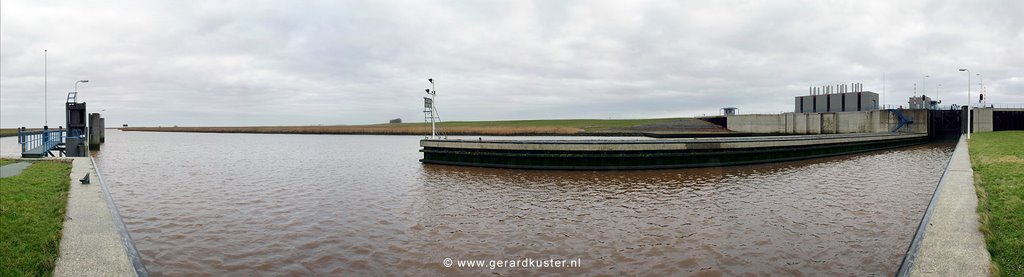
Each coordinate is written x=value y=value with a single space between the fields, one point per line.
x=943 y=123
x=1007 y=120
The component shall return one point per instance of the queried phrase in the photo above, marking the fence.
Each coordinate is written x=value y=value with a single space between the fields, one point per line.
x=40 y=140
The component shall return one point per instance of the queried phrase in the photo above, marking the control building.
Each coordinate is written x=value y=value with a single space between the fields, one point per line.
x=923 y=102
x=836 y=98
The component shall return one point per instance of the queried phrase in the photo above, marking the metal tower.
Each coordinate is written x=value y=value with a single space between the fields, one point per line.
x=430 y=111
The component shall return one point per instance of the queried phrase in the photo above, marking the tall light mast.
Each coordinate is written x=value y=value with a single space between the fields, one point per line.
x=429 y=112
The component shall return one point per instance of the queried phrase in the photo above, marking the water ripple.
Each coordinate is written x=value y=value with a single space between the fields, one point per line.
x=244 y=204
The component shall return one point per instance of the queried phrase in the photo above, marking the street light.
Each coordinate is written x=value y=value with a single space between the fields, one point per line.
x=981 y=88
x=79 y=81
x=968 y=131
x=924 y=84
x=433 y=112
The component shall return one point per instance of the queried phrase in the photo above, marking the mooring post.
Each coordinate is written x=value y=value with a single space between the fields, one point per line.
x=21 y=138
x=46 y=136
x=94 y=131
x=102 y=130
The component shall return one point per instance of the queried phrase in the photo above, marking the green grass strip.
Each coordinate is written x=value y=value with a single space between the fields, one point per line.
x=32 y=207
x=998 y=162
x=4 y=162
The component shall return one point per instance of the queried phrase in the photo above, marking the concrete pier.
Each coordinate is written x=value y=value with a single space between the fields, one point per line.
x=876 y=121
x=952 y=244
x=654 y=154
x=93 y=242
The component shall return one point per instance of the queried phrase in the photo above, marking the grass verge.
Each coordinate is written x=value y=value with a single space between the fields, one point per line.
x=8 y=132
x=32 y=207
x=4 y=162
x=998 y=162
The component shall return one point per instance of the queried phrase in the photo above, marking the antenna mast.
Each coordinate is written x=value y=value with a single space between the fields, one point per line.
x=429 y=111
x=46 y=110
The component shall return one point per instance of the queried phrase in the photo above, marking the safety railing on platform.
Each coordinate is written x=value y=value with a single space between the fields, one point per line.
x=34 y=139
x=999 y=105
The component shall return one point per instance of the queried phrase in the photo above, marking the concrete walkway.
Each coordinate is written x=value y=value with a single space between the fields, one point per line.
x=952 y=244
x=91 y=244
x=13 y=169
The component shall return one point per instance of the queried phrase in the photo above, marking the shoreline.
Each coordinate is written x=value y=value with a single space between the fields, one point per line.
x=479 y=133
x=658 y=127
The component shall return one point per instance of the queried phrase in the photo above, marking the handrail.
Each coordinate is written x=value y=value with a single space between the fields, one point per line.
x=33 y=139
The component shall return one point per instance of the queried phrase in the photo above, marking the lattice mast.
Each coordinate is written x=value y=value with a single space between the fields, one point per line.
x=430 y=111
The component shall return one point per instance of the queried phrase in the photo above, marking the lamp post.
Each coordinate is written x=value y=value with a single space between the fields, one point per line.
x=76 y=84
x=924 y=84
x=433 y=94
x=968 y=131
x=981 y=88
x=46 y=110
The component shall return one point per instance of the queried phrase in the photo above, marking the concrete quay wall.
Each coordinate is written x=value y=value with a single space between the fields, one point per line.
x=94 y=240
x=983 y=119
x=662 y=145
x=878 y=121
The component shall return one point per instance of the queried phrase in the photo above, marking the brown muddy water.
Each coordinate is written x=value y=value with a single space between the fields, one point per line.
x=257 y=204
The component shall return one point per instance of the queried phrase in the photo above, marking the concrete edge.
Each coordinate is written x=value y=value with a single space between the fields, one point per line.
x=126 y=238
x=915 y=245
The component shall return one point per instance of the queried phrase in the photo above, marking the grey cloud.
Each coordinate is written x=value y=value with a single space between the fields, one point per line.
x=353 y=62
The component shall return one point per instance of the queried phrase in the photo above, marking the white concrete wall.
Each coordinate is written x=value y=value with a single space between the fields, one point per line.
x=982 y=120
x=877 y=121
x=828 y=123
x=853 y=122
x=757 y=123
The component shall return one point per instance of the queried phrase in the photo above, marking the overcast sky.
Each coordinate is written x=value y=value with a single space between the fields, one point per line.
x=210 y=63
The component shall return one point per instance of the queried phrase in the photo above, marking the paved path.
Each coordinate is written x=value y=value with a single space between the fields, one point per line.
x=13 y=169
x=91 y=244
x=952 y=244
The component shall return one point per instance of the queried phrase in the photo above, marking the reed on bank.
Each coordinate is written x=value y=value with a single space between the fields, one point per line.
x=488 y=128
x=376 y=130
x=8 y=132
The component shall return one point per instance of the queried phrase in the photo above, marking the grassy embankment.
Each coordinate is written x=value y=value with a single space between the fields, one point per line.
x=496 y=128
x=32 y=206
x=998 y=162
x=8 y=132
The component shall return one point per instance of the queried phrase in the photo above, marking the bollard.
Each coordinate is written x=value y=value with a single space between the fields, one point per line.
x=46 y=135
x=21 y=138
x=103 y=129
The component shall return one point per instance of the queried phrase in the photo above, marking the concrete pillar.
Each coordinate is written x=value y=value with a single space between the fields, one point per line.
x=103 y=128
x=94 y=136
x=982 y=120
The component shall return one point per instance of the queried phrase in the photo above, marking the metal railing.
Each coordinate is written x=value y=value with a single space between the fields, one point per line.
x=35 y=138
x=999 y=105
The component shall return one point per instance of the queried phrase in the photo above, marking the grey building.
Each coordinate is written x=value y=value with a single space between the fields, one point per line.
x=836 y=102
x=922 y=102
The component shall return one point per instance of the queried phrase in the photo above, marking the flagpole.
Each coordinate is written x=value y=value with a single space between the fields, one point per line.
x=46 y=110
